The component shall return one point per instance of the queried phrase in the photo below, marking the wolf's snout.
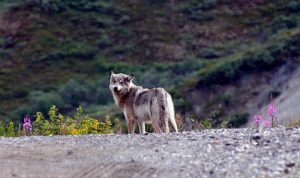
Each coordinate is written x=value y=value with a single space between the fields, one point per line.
x=116 y=89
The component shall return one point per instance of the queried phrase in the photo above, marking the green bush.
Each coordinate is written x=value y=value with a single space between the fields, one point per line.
x=58 y=124
x=118 y=128
x=195 y=10
x=103 y=95
x=59 y=6
x=38 y=101
x=284 y=22
x=6 y=4
x=294 y=6
x=104 y=41
x=68 y=51
x=73 y=92
x=206 y=124
x=10 y=130
x=238 y=120
x=2 y=128
x=199 y=16
x=294 y=123
x=209 y=53
x=258 y=60
x=41 y=101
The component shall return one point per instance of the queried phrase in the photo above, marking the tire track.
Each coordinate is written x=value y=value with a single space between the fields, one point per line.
x=117 y=170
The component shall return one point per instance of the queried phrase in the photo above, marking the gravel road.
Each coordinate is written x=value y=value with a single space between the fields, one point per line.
x=208 y=153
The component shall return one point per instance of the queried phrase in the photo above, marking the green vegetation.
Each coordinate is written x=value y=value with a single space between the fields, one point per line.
x=294 y=123
x=261 y=58
x=60 y=52
x=58 y=124
x=238 y=120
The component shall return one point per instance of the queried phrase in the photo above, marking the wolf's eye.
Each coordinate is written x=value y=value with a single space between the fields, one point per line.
x=121 y=82
x=113 y=81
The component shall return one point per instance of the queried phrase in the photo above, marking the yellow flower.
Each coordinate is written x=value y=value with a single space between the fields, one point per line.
x=74 y=132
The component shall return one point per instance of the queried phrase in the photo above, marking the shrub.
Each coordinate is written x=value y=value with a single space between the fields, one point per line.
x=294 y=6
x=73 y=92
x=117 y=126
x=106 y=126
x=225 y=72
x=199 y=16
x=294 y=123
x=283 y=22
x=195 y=10
x=206 y=123
x=22 y=111
x=58 y=124
x=57 y=6
x=10 y=131
x=215 y=116
x=37 y=124
x=41 y=101
x=179 y=120
x=210 y=53
x=89 y=126
x=104 y=41
x=2 y=128
x=238 y=120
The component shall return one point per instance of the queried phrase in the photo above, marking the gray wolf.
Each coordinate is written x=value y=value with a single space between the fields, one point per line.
x=141 y=105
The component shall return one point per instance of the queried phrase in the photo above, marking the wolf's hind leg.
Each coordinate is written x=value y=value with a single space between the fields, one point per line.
x=156 y=127
x=173 y=124
x=164 y=125
x=142 y=127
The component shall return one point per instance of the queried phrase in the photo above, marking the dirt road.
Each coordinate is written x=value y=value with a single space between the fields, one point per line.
x=209 y=153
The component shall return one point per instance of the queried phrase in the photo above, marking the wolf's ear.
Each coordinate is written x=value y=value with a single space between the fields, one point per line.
x=131 y=76
x=112 y=72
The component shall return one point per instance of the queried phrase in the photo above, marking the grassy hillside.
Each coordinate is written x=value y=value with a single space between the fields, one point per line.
x=61 y=51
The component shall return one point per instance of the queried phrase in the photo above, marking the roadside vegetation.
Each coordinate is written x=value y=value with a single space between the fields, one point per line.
x=60 y=52
x=55 y=123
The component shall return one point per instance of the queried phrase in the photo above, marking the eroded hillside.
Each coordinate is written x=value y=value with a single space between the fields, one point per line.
x=61 y=52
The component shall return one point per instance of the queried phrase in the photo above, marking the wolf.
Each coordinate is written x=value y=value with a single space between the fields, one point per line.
x=142 y=105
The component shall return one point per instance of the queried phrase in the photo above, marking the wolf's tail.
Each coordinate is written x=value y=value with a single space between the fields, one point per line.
x=166 y=111
x=171 y=115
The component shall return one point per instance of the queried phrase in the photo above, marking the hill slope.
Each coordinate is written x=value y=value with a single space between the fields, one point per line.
x=61 y=51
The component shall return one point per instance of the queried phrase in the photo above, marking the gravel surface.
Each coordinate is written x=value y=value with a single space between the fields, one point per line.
x=208 y=153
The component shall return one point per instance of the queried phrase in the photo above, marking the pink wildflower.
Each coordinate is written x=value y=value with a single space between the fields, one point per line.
x=267 y=123
x=27 y=127
x=272 y=113
x=258 y=119
x=271 y=110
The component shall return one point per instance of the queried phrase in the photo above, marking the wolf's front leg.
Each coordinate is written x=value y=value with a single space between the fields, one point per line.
x=130 y=126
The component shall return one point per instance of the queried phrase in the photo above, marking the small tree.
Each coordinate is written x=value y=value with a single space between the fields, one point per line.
x=107 y=125
x=10 y=132
x=2 y=128
x=37 y=124
x=118 y=126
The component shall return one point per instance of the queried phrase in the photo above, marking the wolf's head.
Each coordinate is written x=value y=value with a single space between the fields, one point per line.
x=120 y=83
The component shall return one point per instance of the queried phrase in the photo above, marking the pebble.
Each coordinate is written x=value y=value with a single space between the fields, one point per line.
x=230 y=153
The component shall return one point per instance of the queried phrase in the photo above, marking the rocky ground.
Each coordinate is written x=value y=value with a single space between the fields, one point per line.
x=208 y=153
